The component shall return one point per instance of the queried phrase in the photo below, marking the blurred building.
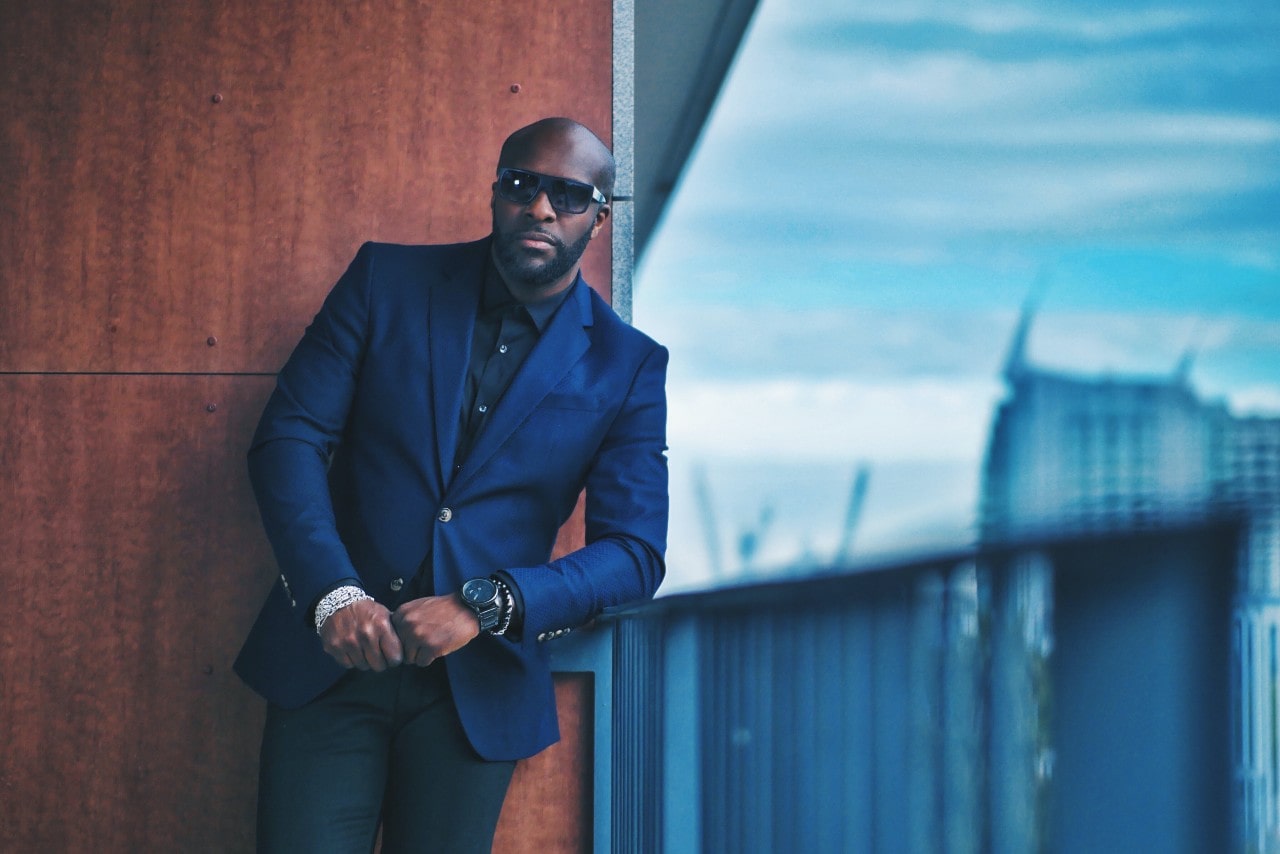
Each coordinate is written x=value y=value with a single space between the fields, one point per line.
x=1076 y=455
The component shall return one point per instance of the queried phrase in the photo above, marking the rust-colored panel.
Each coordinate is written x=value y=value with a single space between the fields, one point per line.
x=133 y=566
x=573 y=535
x=173 y=174
x=180 y=183
x=549 y=807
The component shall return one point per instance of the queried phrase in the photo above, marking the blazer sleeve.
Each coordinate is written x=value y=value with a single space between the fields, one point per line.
x=298 y=433
x=626 y=518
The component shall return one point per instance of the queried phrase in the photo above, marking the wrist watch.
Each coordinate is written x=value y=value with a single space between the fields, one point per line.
x=481 y=596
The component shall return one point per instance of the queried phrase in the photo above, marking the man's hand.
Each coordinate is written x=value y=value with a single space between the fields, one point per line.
x=433 y=627
x=361 y=636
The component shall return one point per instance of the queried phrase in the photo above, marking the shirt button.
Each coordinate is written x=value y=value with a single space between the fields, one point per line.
x=396 y=584
x=445 y=514
x=502 y=348
x=483 y=408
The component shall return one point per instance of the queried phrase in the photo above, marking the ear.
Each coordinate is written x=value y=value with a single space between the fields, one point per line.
x=602 y=214
x=493 y=195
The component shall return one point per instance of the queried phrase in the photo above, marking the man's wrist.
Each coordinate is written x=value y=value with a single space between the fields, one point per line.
x=492 y=601
x=337 y=599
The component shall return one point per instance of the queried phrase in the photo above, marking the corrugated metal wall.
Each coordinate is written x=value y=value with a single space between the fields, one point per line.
x=180 y=184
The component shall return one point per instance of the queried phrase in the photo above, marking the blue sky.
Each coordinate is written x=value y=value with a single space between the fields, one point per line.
x=880 y=187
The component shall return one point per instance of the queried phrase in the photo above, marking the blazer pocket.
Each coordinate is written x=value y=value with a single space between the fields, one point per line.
x=579 y=402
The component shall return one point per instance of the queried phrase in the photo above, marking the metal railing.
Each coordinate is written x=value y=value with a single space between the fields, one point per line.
x=1053 y=695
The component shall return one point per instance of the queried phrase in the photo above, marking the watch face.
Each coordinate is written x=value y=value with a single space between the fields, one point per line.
x=479 y=591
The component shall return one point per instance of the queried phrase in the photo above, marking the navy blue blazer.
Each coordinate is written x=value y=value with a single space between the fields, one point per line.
x=352 y=468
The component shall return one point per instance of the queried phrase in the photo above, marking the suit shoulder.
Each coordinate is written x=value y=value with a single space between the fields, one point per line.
x=420 y=256
x=618 y=329
x=397 y=271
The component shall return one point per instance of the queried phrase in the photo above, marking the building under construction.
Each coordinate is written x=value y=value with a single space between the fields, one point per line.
x=1071 y=454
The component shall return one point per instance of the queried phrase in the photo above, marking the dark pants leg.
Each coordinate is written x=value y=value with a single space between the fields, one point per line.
x=441 y=796
x=376 y=746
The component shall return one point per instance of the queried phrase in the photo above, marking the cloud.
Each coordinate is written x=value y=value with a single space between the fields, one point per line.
x=909 y=506
x=1091 y=343
x=900 y=385
x=814 y=419
x=880 y=184
x=1124 y=343
x=889 y=63
x=1005 y=30
x=732 y=341
x=933 y=153
x=1260 y=400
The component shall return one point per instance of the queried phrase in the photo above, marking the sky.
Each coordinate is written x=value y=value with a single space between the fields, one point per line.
x=879 y=190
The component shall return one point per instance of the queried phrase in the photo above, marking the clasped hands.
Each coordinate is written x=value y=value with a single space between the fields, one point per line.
x=367 y=636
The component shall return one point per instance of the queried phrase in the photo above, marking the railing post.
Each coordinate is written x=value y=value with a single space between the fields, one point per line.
x=1021 y=762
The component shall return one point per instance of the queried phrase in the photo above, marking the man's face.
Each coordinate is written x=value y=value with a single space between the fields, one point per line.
x=538 y=248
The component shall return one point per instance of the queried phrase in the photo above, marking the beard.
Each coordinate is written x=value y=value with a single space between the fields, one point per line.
x=532 y=271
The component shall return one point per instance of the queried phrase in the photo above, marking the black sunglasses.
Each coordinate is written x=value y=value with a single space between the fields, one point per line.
x=521 y=187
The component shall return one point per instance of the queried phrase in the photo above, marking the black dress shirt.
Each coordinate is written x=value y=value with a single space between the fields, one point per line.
x=505 y=333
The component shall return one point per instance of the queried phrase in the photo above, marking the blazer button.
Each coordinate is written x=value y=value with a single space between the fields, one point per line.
x=445 y=514
x=396 y=584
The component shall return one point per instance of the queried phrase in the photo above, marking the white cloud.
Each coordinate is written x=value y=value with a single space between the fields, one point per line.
x=927 y=88
x=1096 y=25
x=1129 y=343
x=907 y=507
x=863 y=96
x=839 y=273
x=1000 y=17
x=811 y=419
x=1123 y=129
x=740 y=339
x=1261 y=400
x=1110 y=342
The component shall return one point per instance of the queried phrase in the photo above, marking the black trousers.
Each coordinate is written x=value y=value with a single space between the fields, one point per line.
x=377 y=747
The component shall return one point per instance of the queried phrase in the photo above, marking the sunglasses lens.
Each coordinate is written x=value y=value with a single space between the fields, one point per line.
x=521 y=188
x=570 y=196
x=518 y=187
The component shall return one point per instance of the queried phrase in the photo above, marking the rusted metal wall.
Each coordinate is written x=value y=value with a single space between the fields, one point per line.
x=180 y=184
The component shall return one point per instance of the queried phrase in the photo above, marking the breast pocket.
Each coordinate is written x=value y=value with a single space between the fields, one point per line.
x=577 y=402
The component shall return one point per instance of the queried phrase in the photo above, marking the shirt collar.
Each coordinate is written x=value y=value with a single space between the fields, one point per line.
x=496 y=299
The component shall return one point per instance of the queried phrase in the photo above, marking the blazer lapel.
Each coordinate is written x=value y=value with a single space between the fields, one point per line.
x=452 y=317
x=561 y=346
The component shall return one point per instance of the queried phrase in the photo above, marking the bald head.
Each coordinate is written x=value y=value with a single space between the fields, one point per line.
x=582 y=147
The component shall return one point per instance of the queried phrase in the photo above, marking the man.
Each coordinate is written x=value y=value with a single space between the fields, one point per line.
x=430 y=434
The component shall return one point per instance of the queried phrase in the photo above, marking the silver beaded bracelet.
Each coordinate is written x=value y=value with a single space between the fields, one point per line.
x=336 y=600
x=508 y=608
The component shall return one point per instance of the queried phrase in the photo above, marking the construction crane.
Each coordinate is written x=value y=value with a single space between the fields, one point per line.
x=853 y=514
x=750 y=540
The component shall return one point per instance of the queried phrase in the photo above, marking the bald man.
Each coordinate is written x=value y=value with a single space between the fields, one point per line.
x=426 y=440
